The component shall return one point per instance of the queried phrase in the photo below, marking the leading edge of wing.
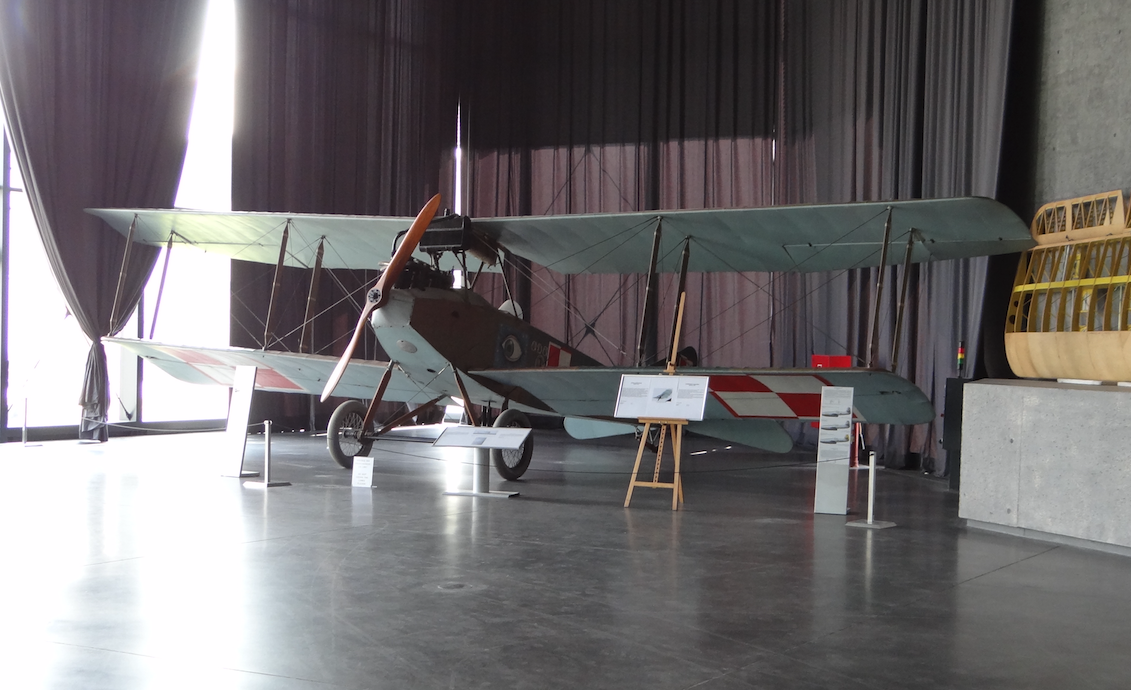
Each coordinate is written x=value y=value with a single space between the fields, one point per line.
x=880 y=397
x=287 y=372
x=806 y=238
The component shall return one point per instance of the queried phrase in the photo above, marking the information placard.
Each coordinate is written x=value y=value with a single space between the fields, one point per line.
x=362 y=473
x=834 y=448
x=662 y=396
x=239 y=412
x=504 y=437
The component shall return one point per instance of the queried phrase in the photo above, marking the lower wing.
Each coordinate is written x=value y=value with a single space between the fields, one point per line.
x=288 y=372
x=742 y=404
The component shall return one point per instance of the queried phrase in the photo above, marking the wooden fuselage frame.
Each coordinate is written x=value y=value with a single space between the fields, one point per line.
x=1070 y=311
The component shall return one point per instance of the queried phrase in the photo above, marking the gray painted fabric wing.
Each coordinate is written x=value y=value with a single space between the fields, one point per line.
x=800 y=238
x=784 y=238
x=287 y=372
x=880 y=397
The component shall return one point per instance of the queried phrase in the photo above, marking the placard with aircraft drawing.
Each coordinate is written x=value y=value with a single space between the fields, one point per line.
x=834 y=450
x=662 y=397
x=504 y=438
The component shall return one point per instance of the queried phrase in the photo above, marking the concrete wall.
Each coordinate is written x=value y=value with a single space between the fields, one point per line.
x=1048 y=458
x=1083 y=123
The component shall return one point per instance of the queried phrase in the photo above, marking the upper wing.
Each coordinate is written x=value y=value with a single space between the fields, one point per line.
x=351 y=241
x=288 y=372
x=784 y=238
x=880 y=397
x=821 y=237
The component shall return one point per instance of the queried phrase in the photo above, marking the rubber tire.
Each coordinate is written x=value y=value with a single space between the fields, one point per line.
x=347 y=419
x=512 y=464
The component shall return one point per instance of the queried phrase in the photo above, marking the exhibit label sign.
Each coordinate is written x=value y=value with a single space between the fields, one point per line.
x=503 y=438
x=362 y=473
x=662 y=396
x=834 y=449
x=239 y=412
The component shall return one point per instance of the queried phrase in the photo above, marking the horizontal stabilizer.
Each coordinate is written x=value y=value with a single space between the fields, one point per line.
x=756 y=433
x=582 y=429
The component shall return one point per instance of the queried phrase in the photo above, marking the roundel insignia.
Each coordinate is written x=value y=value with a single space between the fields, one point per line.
x=512 y=348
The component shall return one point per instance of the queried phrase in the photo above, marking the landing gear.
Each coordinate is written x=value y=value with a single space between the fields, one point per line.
x=512 y=464
x=345 y=439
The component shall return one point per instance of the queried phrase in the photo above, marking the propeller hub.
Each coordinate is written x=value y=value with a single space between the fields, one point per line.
x=374 y=295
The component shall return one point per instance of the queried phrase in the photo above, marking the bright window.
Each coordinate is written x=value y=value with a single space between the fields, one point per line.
x=194 y=306
x=46 y=348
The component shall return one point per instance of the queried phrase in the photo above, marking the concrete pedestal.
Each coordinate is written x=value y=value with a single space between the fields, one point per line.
x=1048 y=460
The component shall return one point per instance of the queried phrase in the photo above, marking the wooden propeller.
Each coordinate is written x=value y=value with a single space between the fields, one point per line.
x=379 y=294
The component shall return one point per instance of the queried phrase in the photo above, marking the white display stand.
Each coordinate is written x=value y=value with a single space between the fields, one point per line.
x=239 y=412
x=835 y=438
x=482 y=439
x=503 y=438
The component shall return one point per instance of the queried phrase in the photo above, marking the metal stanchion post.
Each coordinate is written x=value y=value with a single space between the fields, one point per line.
x=481 y=480
x=870 y=523
x=266 y=483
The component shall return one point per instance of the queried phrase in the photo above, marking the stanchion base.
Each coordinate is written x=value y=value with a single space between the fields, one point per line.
x=264 y=485
x=875 y=524
x=482 y=494
x=244 y=474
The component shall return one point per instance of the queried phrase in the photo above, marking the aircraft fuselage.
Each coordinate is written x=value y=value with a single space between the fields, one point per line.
x=424 y=330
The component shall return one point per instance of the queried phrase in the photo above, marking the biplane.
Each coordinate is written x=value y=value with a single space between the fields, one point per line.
x=447 y=341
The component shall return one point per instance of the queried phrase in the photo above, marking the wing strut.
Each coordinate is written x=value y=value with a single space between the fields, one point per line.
x=679 y=295
x=902 y=298
x=122 y=274
x=306 y=340
x=161 y=287
x=647 y=328
x=874 y=341
x=466 y=400
x=269 y=327
x=675 y=338
x=371 y=412
x=389 y=426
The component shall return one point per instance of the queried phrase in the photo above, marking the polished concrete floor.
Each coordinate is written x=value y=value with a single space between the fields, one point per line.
x=133 y=565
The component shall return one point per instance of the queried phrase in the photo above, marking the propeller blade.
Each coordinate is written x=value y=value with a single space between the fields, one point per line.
x=404 y=252
x=340 y=367
x=379 y=294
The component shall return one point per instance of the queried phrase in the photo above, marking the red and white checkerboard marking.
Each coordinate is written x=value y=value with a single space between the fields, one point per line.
x=784 y=396
x=558 y=357
x=221 y=368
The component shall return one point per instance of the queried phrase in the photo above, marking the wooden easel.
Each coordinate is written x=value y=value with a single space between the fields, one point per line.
x=676 y=484
x=674 y=425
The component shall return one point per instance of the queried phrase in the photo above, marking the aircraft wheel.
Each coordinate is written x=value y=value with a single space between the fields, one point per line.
x=344 y=435
x=512 y=464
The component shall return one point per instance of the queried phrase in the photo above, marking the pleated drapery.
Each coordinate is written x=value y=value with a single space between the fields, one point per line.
x=97 y=96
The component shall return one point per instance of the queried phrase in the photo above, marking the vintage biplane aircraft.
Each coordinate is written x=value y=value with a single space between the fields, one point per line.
x=448 y=342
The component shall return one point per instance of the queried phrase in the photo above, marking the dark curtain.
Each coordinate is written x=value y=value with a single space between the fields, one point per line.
x=584 y=107
x=625 y=106
x=97 y=96
x=891 y=100
x=341 y=107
